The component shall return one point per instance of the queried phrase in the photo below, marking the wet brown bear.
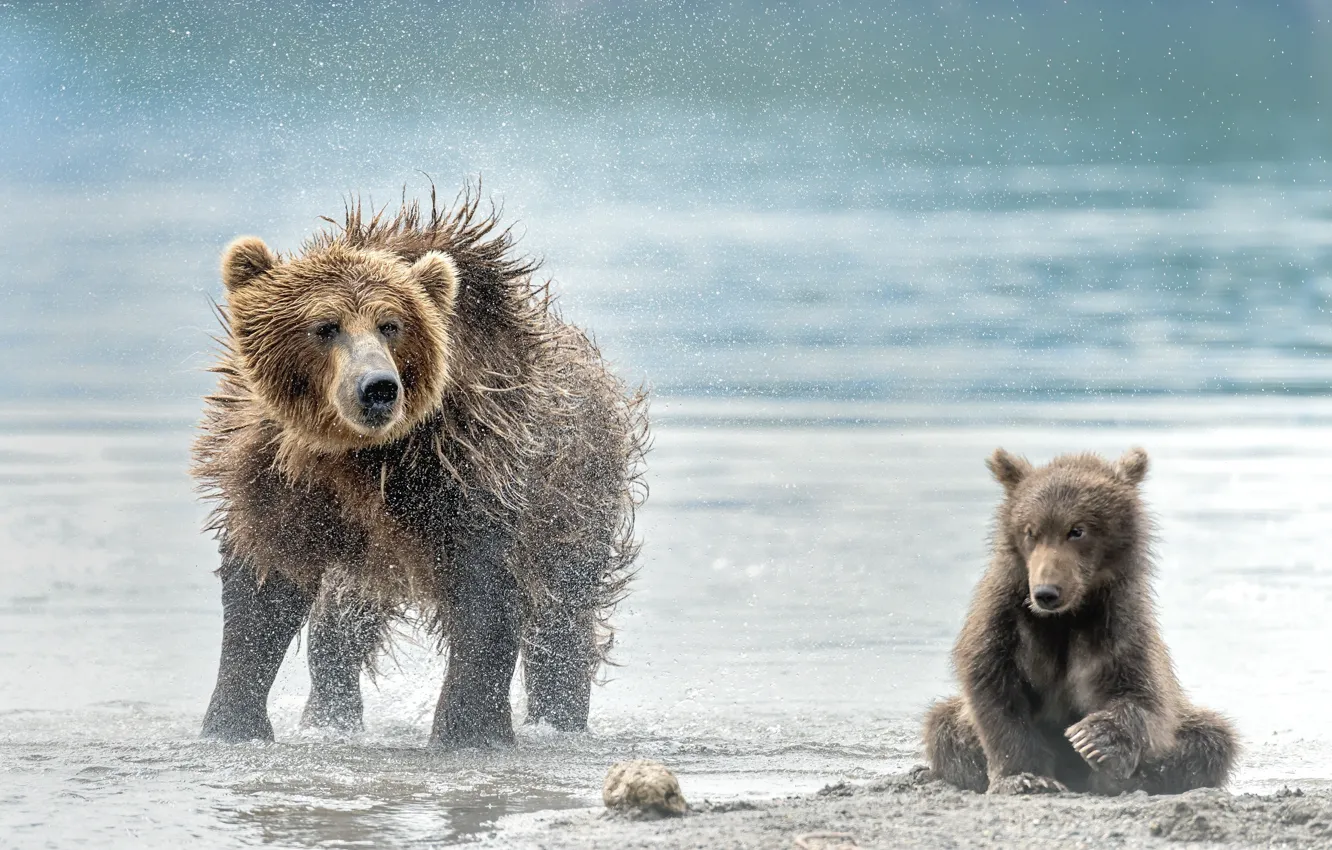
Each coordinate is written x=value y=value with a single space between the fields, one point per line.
x=1065 y=680
x=404 y=424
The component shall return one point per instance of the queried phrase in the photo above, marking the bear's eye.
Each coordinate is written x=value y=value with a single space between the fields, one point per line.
x=1029 y=532
x=390 y=328
x=1076 y=532
x=327 y=330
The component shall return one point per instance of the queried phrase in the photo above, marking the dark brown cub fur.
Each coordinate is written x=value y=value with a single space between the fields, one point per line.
x=1065 y=680
x=404 y=425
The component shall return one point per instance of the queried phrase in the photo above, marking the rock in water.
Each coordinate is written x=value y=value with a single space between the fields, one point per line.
x=643 y=789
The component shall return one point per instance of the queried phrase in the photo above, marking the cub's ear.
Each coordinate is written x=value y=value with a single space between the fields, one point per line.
x=439 y=276
x=1132 y=467
x=1008 y=469
x=244 y=260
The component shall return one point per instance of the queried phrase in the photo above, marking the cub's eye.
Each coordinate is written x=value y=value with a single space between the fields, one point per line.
x=327 y=331
x=1076 y=532
x=1029 y=533
x=390 y=328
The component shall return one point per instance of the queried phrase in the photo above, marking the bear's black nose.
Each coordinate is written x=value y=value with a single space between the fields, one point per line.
x=1046 y=596
x=377 y=390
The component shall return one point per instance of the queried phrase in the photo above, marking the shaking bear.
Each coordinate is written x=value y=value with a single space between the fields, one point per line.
x=404 y=425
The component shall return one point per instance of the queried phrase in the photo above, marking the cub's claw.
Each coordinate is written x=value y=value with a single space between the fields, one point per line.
x=1025 y=783
x=1103 y=745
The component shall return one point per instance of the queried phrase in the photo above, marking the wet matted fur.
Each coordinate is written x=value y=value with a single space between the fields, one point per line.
x=511 y=434
x=1065 y=679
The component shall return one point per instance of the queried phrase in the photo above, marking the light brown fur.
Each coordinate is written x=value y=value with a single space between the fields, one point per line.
x=505 y=394
x=506 y=415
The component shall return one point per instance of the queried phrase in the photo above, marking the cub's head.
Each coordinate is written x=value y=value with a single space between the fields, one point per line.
x=1075 y=523
x=346 y=347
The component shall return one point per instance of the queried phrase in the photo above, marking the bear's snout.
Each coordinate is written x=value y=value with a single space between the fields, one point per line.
x=1054 y=579
x=1047 y=596
x=377 y=392
x=368 y=392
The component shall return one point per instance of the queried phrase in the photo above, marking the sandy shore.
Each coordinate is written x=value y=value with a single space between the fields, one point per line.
x=906 y=812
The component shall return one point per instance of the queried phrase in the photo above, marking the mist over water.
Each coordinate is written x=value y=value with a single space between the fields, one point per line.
x=850 y=247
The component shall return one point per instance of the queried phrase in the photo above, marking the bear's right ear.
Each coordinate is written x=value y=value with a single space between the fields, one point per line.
x=1007 y=469
x=244 y=260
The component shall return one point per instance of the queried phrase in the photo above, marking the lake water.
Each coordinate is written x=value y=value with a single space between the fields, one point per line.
x=828 y=382
x=851 y=248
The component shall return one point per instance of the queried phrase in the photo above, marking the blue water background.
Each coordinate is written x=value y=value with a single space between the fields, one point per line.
x=916 y=201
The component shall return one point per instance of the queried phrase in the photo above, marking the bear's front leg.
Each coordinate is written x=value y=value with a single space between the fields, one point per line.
x=1019 y=758
x=343 y=637
x=560 y=652
x=258 y=624
x=559 y=669
x=1111 y=741
x=485 y=624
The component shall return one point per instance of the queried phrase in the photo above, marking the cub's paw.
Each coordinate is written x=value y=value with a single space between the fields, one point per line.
x=1102 y=743
x=1025 y=783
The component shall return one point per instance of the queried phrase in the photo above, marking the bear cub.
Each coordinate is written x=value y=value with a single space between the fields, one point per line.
x=1066 y=683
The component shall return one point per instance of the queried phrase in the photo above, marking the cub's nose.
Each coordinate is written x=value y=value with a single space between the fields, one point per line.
x=1046 y=596
x=377 y=390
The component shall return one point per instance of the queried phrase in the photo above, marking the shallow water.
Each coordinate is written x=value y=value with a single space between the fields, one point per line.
x=806 y=568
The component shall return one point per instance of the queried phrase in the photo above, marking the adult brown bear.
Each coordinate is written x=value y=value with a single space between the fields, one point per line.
x=404 y=423
x=1065 y=679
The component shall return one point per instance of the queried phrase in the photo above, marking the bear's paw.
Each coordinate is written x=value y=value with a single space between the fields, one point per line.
x=1025 y=783
x=1105 y=746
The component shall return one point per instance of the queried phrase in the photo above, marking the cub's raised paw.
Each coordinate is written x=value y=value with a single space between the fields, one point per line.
x=1025 y=783
x=1104 y=746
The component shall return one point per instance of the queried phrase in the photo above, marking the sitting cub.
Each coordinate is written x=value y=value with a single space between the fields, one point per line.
x=1066 y=683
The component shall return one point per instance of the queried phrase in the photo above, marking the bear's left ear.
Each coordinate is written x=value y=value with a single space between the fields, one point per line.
x=244 y=260
x=439 y=276
x=1132 y=467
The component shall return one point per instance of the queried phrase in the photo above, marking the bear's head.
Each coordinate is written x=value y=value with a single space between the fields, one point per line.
x=1075 y=524
x=345 y=347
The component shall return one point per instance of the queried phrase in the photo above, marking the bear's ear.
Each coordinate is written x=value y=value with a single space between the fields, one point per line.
x=1007 y=469
x=244 y=260
x=1132 y=467
x=439 y=276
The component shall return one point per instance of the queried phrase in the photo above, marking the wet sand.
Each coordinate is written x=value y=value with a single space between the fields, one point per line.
x=905 y=811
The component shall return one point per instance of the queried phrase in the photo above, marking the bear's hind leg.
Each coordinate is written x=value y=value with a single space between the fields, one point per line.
x=559 y=661
x=1205 y=749
x=258 y=624
x=343 y=636
x=953 y=748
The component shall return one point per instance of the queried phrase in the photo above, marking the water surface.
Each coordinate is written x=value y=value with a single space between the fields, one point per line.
x=801 y=585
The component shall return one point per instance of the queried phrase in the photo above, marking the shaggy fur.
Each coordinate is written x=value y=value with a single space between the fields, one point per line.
x=1066 y=682
x=500 y=497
